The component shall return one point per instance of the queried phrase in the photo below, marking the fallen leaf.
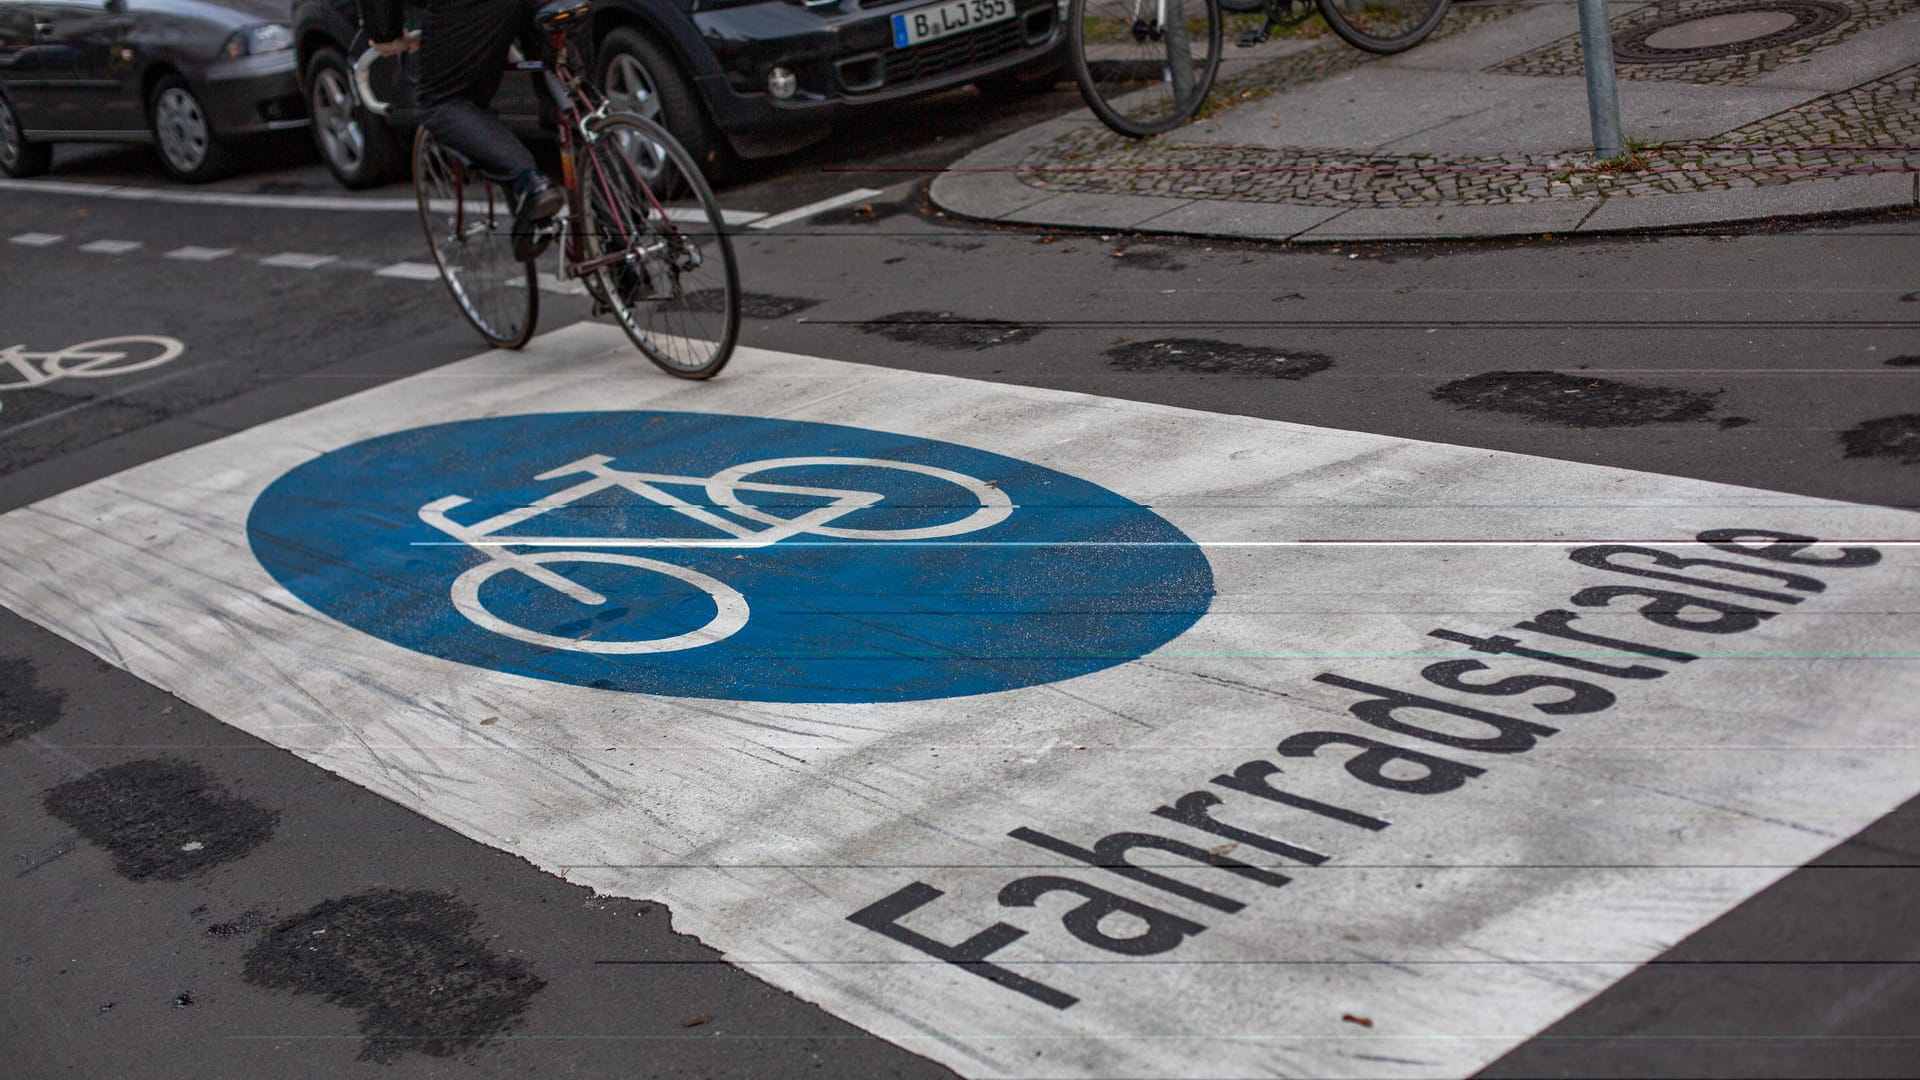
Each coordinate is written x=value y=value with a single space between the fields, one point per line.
x=697 y=1021
x=1363 y=1021
x=489 y=720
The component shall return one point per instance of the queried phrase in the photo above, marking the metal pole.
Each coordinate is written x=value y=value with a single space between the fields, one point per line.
x=1603 y=93
x=1179 y=43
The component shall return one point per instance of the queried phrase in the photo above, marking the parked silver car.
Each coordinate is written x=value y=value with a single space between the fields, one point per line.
x=193 y=77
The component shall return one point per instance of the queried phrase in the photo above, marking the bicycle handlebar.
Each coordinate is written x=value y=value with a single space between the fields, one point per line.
x=363 y=78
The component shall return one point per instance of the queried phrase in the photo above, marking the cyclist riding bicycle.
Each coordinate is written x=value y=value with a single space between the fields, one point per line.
x=463 y=48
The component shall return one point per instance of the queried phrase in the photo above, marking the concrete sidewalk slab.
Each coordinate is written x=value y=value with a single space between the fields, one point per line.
x=1483 y=131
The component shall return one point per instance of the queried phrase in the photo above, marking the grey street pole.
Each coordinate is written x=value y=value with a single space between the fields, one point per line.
x=1603 y=93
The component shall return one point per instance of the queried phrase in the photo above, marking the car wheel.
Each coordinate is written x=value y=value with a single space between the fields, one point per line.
x=188 y=147
x=360 y=148
x=18 y=157
x=638 y=76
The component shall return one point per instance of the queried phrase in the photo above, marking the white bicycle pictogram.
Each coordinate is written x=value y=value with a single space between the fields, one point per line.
x=24 y=370
x=741 y=524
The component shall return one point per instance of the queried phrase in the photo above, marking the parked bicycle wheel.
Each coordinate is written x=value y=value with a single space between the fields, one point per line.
x=469 y=225
x=672 y=284
x=1384 y=26
x=1144 y=66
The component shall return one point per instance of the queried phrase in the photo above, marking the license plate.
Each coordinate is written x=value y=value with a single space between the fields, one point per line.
x=940 y=20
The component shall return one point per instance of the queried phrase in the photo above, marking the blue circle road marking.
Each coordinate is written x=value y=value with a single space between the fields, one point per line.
x=732 y=557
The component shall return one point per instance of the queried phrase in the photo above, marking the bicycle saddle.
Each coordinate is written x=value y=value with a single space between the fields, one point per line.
x=561 y=14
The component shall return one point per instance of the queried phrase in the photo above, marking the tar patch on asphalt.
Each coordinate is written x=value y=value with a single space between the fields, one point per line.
x=410 y=962
x=1206 y=357
x=161 y=819
x=753 y=305
x=1147 y=259
x=1575 y=400
x=946 y=330
x=1903 y=361
x=25 y=706
x=1893 y=437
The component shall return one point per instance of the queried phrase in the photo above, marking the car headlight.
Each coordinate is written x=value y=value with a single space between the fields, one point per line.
x=254 y=40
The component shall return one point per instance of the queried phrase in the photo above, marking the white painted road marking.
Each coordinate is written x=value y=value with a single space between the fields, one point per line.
x=111 y=247
x=1486 y=809
x=410 y=271
x=37 y=239
x=801 y=213
x=298 y=260
x=199 y=254
x=267 y=202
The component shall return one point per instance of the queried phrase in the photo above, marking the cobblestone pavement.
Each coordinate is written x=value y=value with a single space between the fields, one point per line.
x=1871 y=128
x=1562 y=59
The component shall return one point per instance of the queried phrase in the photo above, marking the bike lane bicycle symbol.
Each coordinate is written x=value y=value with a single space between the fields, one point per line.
x=727 y=557
x=105 y=357
x=742 y=525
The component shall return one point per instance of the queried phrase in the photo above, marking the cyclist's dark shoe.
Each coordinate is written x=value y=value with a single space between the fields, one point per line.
x=539 y=199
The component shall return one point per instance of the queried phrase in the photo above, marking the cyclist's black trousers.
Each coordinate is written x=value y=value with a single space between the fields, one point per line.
x=463 y=54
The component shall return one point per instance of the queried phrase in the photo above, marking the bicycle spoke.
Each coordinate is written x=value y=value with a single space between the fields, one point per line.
x=469 y=226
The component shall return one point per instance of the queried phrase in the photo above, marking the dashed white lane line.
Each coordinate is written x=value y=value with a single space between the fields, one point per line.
x=191 y=253
x=37 y=239
x=409 y=271
x=552 y=284
x=111 y=247
x=296 y=260
x=800 y=213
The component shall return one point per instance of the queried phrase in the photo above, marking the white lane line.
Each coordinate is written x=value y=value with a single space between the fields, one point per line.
x=800 y=213
x=111 y=247
x=296 y=260
x=37 y=239
x=552 y=284
x=1494 y=853
x=409 y=271
x=279 y=202
x=693 y=215
x=191 y=253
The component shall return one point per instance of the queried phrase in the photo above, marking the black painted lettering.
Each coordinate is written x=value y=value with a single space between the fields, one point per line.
x=1439 y=775
x=1251 y=779
x=1515 y=736
x=1602 y=556
x=1786 y=548
x=1664 y=607
x=1110 y=853
x=1555 y=624
x=1165 y=931
x=1583 y=697
x=1511 y=646
x=1193 y=810
x=883 y=917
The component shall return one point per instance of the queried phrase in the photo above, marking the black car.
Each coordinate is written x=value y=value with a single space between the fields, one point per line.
x=730 y=78
x=190 y=76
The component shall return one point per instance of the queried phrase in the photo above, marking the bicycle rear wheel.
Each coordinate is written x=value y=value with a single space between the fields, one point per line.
x=1138 y=74
x=1384 y=26
x=469 y=224
x=667 y=273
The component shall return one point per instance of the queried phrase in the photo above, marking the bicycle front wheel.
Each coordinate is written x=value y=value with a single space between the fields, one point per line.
x=666 y=271
x=1144 y=66
x=1384 y=26
x=469 y=226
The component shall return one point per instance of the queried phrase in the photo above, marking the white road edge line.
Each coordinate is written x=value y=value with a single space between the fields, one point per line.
x=409 y=271
x=270 y=202
x=298 y=260
x=37 y=239
x=191 y=253
x=111 y=247
x=809 y=210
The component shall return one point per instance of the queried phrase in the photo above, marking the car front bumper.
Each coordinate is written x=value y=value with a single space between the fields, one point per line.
x=253 y=95
x=844 y=57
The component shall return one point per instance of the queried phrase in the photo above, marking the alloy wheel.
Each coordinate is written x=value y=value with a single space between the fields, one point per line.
x=630 y=89
x=11 y=143
x=341 y=136
x=182 y=128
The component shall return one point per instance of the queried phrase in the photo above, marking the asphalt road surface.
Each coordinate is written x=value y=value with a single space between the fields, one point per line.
x=188 y=899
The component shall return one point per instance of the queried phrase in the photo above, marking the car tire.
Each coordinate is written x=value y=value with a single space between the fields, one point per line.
x=638 y=75
x=360 y=149
x=183 y=136
x=18 y=157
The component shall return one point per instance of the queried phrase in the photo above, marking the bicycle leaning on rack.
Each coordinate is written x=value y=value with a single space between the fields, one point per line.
x=1145 y=66
x=665 y=273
